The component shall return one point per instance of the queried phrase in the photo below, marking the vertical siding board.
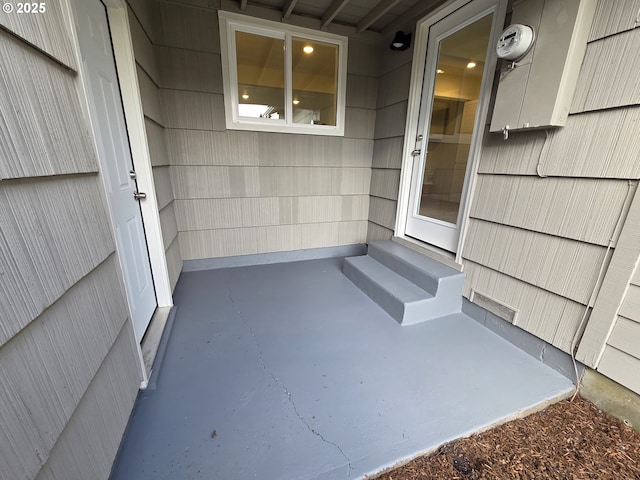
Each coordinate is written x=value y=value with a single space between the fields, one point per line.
x=608 y=77
x=39 y=105
x=614 y=17
x=48 y=31
x=598 y=145
x=611 y=294
x=147 y=14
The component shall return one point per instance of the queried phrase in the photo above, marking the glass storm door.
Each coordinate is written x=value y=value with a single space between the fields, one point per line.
x=449 y=125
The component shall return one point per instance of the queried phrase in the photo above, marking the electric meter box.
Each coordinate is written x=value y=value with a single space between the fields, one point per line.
x=536 y=92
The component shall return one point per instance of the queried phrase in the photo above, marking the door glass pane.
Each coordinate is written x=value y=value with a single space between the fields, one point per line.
x=315 y=81
x=458 y=77
x=260 y=64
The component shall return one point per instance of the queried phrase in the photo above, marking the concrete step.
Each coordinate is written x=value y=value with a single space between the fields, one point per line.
x=410 y=287
x=425 y=272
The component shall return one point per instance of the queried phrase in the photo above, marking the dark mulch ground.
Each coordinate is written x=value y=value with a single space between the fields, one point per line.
x=569 y=440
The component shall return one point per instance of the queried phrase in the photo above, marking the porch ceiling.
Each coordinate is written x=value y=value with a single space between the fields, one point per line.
x=384 y=16
x=289 y=371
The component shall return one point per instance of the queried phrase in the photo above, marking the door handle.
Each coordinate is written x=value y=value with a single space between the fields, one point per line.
x=139 y=195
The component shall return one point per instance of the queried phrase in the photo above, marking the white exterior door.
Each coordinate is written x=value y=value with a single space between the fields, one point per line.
x=107 y=118
x=458 y=68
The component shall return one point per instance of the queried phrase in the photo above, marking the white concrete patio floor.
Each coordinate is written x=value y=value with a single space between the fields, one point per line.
x=288 y=371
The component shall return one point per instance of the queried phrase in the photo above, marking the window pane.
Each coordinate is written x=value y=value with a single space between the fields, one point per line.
x=315 y=81
x=260 y=62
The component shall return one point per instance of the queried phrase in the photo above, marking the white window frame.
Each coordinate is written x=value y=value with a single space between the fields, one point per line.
x=232 y=22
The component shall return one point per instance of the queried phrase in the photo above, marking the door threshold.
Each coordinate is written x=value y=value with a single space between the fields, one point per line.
x=442 y=256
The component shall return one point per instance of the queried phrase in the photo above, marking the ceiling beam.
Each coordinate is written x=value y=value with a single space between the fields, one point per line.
x=378 y=11
x=289 y=5
x=243 y=5
x=332 y=11
x=419 y=10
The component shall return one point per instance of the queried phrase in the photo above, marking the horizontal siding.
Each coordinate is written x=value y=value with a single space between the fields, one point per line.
x=224 y=182
x=565 y=267
x=163 y=185
x=388 y=153
x=157 y=143
x=359 y=122
x=49 y=241
x=190 y=70
x=580 y=209
x=48 y=31
x=241 y=241
x=377 y=232
x=361 y=91
x=174 y=262
x=383 y=212
x=626 y=336
x=40 y=105
x=104 y=410
x=148 y=14
x=390 y=120
x=519 y=155
x=46 y=369
x=614 y=16
x=630 y=307
x=561 y=315
x=385 y=183
x=145 y=53
x=600 y=144
x=394 y=86
x=192 y=28
x=363 y=57
x=150 y=97
x=168 y=224
x=609 y=73
x=621 y=367
x=193 y=110
x=207 y=214
x=193 y=147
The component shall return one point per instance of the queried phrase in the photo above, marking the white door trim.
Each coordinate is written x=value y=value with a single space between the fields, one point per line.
x=132 y=103
x=411 y=125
